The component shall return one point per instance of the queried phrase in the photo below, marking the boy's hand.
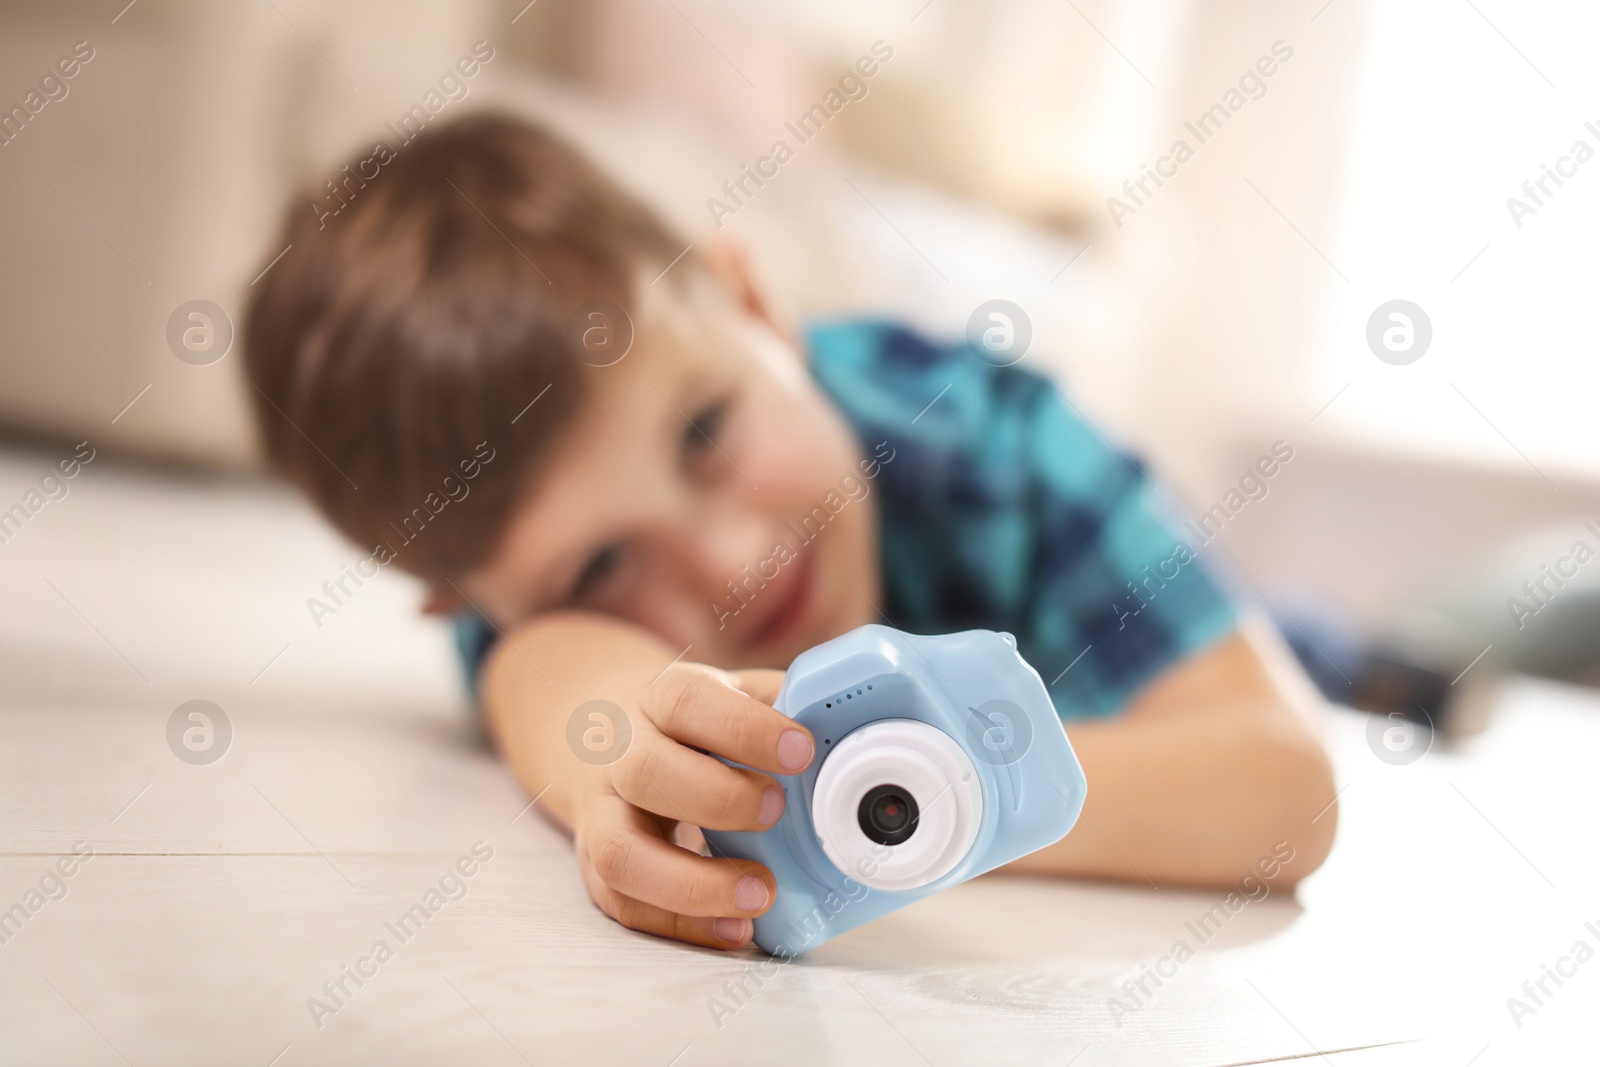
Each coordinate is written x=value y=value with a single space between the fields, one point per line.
x=623 y=822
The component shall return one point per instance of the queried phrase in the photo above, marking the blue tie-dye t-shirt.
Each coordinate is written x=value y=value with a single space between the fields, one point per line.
x=1002 y=508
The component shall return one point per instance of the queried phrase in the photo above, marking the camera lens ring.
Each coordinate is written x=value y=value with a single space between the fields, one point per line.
x=931 y=767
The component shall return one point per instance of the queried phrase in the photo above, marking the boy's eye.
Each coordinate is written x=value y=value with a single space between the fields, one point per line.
x=600 y=566
x=705 y=429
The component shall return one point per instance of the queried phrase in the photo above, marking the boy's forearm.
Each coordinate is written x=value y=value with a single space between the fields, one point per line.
x=543 y=670
x=1194 y=803
x=1204 y=775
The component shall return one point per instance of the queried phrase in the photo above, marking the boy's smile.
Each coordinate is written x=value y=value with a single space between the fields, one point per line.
x=707 y=491
x=787 y=598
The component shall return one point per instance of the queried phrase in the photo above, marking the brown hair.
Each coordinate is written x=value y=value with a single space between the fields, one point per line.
x=404 y=334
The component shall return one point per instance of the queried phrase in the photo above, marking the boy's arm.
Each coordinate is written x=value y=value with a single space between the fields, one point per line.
x=622 y=807
x=1212 y=766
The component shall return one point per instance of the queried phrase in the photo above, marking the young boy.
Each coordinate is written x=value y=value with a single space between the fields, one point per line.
x=635 y=483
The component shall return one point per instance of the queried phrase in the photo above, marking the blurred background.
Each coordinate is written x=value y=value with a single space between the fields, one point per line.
x=1206 y=213
x=1351 y=154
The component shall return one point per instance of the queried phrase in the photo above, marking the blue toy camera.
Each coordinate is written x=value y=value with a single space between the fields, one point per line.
x=938 y=758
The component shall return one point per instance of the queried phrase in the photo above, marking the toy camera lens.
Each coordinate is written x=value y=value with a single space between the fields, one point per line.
x=888 y=814
x=897 y=782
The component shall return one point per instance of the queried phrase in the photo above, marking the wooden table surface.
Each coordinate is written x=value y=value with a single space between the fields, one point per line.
x=219 y=898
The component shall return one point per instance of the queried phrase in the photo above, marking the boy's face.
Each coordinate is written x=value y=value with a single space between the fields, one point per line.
x=693 y=463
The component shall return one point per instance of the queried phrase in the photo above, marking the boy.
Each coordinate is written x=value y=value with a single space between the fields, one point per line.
x=636 y=484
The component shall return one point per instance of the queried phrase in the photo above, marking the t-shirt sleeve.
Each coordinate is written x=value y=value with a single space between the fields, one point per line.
x=474 y=637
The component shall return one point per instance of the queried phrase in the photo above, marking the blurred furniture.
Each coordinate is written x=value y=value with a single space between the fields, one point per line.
x=160 y=178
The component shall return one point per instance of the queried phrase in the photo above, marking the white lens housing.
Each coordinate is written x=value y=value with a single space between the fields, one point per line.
x=926 y=763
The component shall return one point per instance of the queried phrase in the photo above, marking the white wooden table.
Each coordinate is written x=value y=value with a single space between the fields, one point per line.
x=221 y=897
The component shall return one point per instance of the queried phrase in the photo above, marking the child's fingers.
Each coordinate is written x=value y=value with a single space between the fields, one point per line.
x=760 y=684
x=662 y=776
x=700 y=706
x=724 y=933
x=641 y=864
x=690 y=837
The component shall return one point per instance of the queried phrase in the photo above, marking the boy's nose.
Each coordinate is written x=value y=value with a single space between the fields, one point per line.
x=724 y=544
